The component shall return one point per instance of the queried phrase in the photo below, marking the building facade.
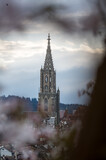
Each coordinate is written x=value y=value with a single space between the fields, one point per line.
x=49 y=98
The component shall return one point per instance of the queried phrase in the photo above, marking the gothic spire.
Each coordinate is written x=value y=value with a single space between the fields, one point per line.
x=48 y=41
x=48 y=60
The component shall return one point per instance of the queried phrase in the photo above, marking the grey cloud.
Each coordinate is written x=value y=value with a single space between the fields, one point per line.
x=14 y=45
x=74 y=80
x=69 y=81
x=15 y=15
x=2 y=68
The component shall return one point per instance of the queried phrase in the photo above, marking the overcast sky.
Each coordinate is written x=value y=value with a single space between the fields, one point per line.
x=75 y=56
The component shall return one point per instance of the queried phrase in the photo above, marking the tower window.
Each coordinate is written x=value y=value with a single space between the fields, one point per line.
x=50 y=79
x=46 y=104
x=46 y=79
x=46 y=87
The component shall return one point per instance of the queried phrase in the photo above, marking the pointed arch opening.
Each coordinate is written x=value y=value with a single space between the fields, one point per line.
x=46 y=78
x=46 y=88
x=46 y=104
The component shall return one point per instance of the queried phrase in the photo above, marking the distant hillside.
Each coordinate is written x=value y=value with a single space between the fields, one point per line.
x=31 y=104
x=27 y=103
x=69 y=107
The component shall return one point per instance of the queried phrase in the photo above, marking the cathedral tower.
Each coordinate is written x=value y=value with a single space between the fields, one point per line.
x=48 y=100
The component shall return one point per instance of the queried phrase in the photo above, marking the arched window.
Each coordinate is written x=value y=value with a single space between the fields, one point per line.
x=46 y=104
x=46 y=79
x=46 y=88
x=50 y=79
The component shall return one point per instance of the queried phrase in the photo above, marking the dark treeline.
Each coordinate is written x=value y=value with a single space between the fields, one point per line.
x=69 y=107
x=27 y=103
x=30 y=104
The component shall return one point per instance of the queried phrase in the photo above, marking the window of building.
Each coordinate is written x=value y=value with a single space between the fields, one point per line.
x=46 y=88
x=46 y=104
x=46 y=79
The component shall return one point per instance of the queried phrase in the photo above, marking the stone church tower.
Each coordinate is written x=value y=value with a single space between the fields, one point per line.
x=49 y=99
